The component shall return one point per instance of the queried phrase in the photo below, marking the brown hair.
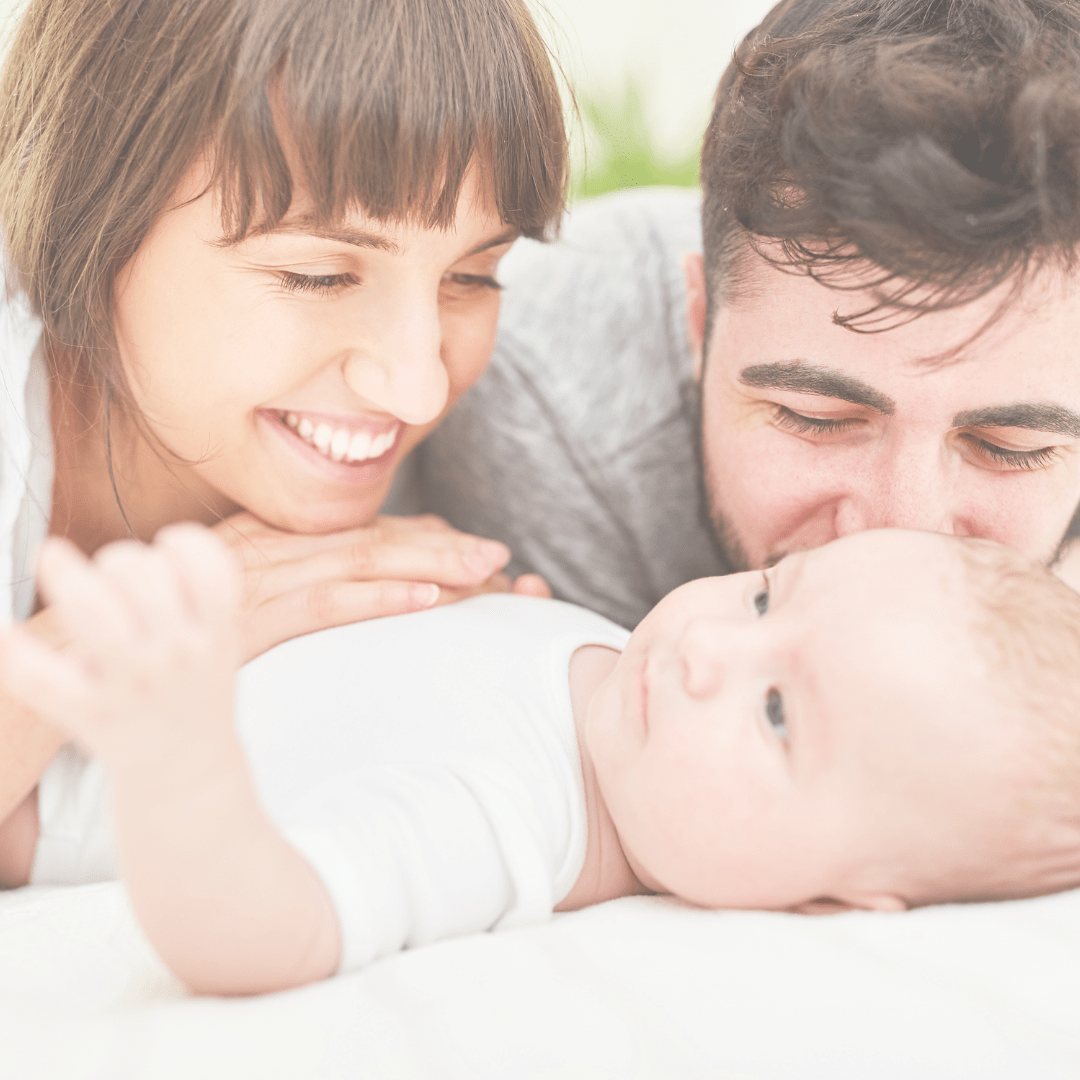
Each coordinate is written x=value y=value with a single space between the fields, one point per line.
x=104 y=104
x=937 y=141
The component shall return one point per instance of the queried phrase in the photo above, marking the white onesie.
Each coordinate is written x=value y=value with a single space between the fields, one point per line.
x=426 y=765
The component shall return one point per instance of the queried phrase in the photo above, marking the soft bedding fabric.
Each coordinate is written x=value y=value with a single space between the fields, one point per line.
x=638 y=988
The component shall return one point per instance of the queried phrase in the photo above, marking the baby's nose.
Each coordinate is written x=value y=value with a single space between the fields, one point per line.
x=703 y=654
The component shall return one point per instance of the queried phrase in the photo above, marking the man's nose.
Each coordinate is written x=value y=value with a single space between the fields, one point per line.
x=909 y=490
x=399 y=367
x=704 y=650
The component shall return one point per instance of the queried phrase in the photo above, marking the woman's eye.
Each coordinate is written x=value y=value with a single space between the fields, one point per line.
x=761 y=600
x=315 y=283
x=774 y=712
x=471 y=281
x=795 y=422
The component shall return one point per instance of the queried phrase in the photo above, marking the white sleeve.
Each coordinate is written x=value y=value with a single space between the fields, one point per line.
x=414 y=853
x=76 y=843
x=25 y=454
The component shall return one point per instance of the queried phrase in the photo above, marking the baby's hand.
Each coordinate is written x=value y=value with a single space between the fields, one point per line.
x=155 y=644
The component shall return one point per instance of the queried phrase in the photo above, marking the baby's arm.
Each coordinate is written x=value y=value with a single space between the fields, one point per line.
x=147 y=686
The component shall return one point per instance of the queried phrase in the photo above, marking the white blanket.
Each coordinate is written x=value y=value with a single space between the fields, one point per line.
x=639 y=987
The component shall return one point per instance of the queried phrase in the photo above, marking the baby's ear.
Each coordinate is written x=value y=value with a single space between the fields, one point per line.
x=828 y=905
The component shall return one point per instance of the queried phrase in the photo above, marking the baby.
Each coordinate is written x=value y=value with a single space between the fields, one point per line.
x=886 y=721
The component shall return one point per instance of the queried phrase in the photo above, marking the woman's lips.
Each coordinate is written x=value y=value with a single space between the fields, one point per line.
x=340 y=441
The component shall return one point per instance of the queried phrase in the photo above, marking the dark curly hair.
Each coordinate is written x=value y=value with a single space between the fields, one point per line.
x=936 y=141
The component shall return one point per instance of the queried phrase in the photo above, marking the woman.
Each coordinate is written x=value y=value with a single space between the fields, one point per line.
x=252 y=247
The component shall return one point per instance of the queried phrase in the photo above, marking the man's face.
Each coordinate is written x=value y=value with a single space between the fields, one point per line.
x=811 y=431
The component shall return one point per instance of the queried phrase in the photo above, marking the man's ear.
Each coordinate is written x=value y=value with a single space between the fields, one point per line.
x=828 y=905
x=693 y=265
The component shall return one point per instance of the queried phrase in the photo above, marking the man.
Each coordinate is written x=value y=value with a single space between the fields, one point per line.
x=880 y=332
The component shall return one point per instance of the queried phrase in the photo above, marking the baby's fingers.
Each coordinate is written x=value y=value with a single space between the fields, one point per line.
x=84 y=601
x=206 y=570
x=47 y=683
x=147 y=582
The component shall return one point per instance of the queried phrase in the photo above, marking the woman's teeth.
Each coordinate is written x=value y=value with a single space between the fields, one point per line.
x=340 y=444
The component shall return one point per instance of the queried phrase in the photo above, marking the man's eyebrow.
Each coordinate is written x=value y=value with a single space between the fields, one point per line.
x=807 y=378
x=1034 y=415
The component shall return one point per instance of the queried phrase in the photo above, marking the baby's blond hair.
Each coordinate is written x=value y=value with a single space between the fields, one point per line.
x=1026 y=623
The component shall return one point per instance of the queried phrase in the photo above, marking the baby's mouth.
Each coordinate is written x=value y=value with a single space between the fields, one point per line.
x=338 y=441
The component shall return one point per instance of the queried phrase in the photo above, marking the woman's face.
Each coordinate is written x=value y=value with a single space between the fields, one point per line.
x=290 y=374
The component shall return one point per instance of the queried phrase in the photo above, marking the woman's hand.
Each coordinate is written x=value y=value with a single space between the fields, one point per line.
x=296 y=583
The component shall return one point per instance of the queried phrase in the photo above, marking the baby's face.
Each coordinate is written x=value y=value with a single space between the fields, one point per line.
x=767 y=740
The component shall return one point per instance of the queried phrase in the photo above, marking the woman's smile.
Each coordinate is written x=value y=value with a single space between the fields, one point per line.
x=357 y=447
x=356 y=450
x=349 y=440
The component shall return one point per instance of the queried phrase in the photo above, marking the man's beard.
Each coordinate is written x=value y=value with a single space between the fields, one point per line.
x=728 y=548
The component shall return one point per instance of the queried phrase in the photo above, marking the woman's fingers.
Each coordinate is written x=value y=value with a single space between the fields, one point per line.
x=497 y=583
x=420 y=523
x=470 y=559
x=532 y=585
x=526 y=585
x=376 y=561
x=296 y=583
x=331 y=603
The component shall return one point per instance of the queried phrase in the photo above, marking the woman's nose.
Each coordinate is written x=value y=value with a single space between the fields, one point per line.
x=704 y=649
x=399 y=368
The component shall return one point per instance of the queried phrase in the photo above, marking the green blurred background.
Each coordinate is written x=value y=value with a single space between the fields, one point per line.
x=643 y=73
x=623 y=151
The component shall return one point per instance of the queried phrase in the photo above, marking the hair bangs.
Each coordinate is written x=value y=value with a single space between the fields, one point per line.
x=391 y=112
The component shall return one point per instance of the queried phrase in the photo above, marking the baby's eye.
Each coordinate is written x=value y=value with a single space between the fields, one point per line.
x=774 y=711
x=761 y=600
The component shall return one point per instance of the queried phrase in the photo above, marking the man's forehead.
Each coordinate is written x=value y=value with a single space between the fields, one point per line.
x=761 y=268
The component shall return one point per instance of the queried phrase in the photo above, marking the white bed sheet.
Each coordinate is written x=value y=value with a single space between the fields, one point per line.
x=641 y=987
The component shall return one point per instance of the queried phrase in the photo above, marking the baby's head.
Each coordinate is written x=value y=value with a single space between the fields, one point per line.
x=890 y=720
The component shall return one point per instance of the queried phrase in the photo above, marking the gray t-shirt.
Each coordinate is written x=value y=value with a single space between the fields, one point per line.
x=578 y=447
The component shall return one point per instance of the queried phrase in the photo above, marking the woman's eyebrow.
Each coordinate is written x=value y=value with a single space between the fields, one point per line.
x=304 y=226
x=342 y=234
x=507 y=236
x=805 y=378
x=1036 y=416
x=349 y=234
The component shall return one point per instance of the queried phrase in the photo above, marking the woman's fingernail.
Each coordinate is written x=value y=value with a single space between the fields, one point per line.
x=424 y=596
